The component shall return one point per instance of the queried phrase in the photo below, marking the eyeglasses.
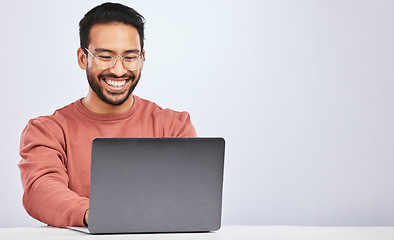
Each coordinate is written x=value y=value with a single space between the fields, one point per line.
x=130 y=61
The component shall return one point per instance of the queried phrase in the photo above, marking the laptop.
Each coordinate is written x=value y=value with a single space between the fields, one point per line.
x=155 y=185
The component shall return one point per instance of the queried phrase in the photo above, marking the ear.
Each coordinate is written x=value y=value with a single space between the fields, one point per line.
x=81 y=58
x=143 y=59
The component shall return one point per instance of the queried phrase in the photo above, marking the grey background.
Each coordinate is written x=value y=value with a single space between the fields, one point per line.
x=301 y=90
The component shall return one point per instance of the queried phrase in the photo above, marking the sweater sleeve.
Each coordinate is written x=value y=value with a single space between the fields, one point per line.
x=44 y=176
x=183 y=126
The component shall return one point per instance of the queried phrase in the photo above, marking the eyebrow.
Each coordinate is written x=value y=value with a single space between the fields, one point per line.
x=110 y=51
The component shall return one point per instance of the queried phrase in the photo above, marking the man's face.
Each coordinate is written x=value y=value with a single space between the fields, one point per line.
x=113 y=85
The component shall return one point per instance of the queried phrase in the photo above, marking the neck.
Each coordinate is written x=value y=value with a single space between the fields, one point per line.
x=93 y=103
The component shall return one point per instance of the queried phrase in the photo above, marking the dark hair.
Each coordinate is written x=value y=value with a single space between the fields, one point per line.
x=110 y=13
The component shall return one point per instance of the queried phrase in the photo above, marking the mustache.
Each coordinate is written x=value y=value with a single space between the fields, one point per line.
x=111 y=75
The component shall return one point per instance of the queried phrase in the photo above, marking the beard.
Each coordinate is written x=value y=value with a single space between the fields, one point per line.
x=113 y=98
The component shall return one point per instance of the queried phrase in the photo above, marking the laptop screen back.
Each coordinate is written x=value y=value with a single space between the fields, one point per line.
x=156 y=185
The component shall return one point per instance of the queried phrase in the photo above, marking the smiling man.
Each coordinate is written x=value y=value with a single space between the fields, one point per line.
x=111 y=81
x=56 y=149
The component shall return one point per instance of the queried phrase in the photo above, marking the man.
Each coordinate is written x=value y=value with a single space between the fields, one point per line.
x=55 y=150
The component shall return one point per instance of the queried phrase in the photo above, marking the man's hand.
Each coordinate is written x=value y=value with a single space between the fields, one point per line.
x=86 y=218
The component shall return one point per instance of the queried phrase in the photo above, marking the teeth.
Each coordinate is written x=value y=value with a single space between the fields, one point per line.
x=116 y=83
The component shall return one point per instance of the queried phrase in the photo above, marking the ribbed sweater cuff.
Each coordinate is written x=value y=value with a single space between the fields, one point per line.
x=78 y=215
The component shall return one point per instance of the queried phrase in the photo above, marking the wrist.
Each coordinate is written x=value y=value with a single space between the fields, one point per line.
x=86 y=218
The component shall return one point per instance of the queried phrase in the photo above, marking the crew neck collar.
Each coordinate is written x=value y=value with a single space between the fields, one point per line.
x=107 y=117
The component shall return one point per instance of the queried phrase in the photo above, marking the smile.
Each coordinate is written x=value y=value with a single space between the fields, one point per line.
x=116 y=84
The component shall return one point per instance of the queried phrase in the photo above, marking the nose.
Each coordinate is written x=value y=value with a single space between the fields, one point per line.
x=118 y=68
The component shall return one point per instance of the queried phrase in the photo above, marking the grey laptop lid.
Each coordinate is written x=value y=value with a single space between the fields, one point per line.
x=156 y=185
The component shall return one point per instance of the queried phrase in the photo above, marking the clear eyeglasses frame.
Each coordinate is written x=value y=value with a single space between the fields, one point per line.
x=130 y=61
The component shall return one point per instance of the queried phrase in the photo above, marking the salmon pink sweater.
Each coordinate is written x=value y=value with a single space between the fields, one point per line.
x=56 y=150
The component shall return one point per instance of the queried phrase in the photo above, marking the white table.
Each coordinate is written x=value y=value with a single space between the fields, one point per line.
x=225 y=233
